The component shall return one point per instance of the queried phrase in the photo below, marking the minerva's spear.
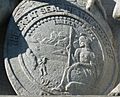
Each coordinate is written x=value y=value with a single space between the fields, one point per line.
x=70 y=46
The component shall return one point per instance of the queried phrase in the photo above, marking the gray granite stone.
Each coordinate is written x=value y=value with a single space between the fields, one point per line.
x=116 y=11
x=5 y=87
x=60 y=48
x=116 y=15
x=64 y=96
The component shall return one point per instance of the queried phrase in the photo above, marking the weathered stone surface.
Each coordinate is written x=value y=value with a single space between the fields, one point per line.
x=90 y=4
x=63 y=96
x=116 y=11
x=59 y=48
x=108 y=4
x=116 y=15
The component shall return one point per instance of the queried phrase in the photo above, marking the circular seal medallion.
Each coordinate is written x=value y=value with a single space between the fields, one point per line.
x=58 y=49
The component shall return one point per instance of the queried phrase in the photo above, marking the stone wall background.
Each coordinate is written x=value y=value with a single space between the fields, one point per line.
x=6 y=88
x=115 y=27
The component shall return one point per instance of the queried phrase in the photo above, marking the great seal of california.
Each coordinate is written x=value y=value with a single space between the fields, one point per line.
x=58 y=49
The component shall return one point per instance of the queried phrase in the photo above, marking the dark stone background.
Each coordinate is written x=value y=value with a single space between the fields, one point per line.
x=6 y=88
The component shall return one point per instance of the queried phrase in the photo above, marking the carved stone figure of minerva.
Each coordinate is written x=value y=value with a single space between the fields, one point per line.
x=91 y=3
x=81 y=74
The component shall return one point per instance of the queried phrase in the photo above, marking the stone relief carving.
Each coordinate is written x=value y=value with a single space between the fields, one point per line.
x=83 y=68
x=42 y=68
x=59 y=49
x=90 y=5
x=116 y=11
